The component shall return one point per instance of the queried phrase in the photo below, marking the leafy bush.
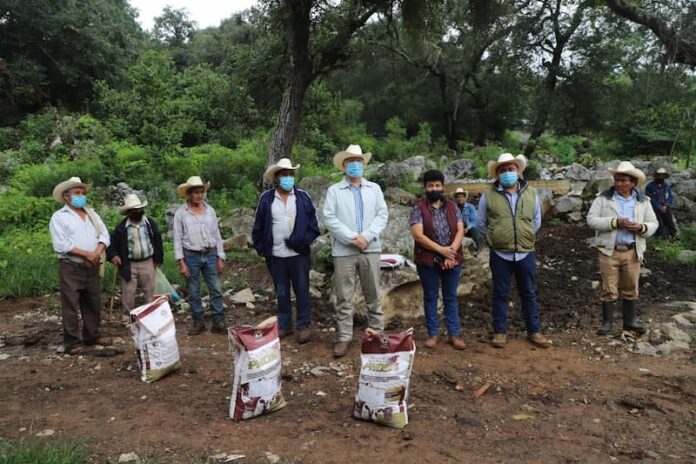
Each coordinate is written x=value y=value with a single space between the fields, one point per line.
x=565 y=149
x=8 y=138
x=39 y=179
x=30 y=257
x=21 y=211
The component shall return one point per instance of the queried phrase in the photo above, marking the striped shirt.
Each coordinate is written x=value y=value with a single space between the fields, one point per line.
x=196 y=233
x=139 y=244
x=357 y=198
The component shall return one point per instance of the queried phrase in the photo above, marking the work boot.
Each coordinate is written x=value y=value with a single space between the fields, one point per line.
x=456 y=342
x=219 y=327
x=537 y=339
x=340 y=349
x=431 y=342
x=629 y=317
x=196 y=327
x=304 y=335
x=282 y=333
x=607 y=318
x=499 y=340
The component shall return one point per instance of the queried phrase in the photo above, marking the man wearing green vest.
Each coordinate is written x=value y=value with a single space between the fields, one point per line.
x=509 y=216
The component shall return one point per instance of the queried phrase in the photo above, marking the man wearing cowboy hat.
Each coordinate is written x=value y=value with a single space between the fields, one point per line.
x=468 y=212
x=622 y=219
x=198 y=249
x=509 y=215
x=285 y=225
x=136 y=249
x=661 y=199
x=79 y=237
x=355 y=214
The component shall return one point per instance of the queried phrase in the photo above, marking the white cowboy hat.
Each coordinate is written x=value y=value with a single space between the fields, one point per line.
x=131 y=201
x=506 y=158
x=66 y=185
x=625 y=167
x=193 y=181
x=283 y=163
x=662 y=171
x=460 y=190
x=353 y=151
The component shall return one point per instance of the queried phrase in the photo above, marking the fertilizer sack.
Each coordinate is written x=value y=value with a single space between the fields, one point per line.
x=154 y=336
x=382 y=395
x=256 y=385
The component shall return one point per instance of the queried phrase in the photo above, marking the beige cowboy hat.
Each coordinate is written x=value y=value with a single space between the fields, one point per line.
x=506 y=158
x=662 y=171
x=282 y=164
x=625 y=167
x=460 y=190
x=193 y=181
x=353 y=151
x=131 y=201
x=66 y=185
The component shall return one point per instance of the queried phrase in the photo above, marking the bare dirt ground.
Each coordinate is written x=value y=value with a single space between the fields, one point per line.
x=587 y=399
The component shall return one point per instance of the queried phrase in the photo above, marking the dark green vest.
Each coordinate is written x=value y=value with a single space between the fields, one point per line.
x=505 y=231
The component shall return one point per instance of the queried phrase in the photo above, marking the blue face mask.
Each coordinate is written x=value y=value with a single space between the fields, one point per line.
x=354 y=169
x=286 y=182
x=508 y=178
x=78 y=201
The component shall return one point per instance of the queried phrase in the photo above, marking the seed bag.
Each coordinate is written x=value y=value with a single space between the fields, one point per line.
x=382 y=395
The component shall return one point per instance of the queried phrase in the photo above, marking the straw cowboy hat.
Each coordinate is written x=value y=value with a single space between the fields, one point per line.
x=506 y=158
x=663 y=172
x=66 y=185
x=625 y=167
x=462 y=191
x=193 y=181
x=131 y=201
x=353 y=151
x=283 y=163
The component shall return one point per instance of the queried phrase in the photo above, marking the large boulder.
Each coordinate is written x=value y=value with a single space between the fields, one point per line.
x=240 y=221
x=545 y=200
x=399 y=196
x=393 y=173
x=321 y=253
x=396 y=237
x=316 y=187
x=684 y=210
x=417 y=165
x=460 y=169
x=567 y=204
x=577 y=172
x=685 y=188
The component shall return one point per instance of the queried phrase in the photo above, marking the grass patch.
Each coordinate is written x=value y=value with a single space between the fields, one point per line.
x=33 y=451
x=669 y=250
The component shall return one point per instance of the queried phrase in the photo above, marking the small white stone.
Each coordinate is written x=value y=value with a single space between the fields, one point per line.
x=46 y=433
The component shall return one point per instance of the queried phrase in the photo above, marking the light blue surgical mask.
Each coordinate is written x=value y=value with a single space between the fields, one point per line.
x=508 y=178
x=354 y=169
x=78 y=201
x=286 y=182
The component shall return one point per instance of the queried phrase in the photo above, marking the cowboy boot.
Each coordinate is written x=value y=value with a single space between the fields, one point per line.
x=607 y=318
x=629 y=317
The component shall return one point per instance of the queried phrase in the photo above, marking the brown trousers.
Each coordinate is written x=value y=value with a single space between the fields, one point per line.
x=79 y=292
x=143 y=271
x=620 y=274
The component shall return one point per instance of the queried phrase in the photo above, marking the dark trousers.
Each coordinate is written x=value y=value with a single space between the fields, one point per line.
x=525 y=277
x=666 y=227
x=79 y=291
x=295 y=271
x=432 y=278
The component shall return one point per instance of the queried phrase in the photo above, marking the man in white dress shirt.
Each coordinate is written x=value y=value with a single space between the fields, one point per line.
x=79 y=238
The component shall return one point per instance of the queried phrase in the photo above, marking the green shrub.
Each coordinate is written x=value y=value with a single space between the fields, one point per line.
x=40 y=179
x=32 y=451
x=28 y=265
x=564 y=149
x=21 y=211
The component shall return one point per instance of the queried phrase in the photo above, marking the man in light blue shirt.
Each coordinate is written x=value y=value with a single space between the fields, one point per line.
x=468 y=212
x=355 y=214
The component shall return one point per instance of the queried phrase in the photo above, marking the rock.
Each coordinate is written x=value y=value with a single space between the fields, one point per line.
x=545 y=200
x=595 y=284
x=685 y=188
x=687 y=256
x=4 y=356
x=399 y=196
x=460 y=169
x=169 y=215
x=272 y=458
x=320 y=371
x=240 y=221
x=391 y=173
x=567 y=204
x=577 y=172
x=684 y=210
x=321 y=253
x=46 y=433
x=128 y=457
x=249 y=305
x=315 y=293
x=396 y=237
x=316 y=279
x=316 y=187
x=243 y=297
x=574 y=217
x=239 y=242
x=417 y=165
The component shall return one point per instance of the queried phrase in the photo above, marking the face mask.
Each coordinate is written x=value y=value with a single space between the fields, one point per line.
x=660 y=180
x=136 y=217
x=286 y=182
x=434 y=195
x=78 y=201
x=354 y=169
x=508 y=178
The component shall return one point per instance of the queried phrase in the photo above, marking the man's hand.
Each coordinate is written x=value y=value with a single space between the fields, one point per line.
x=448 y=252
x=220 y=265
x=157 y=265
x=183 y=269
x=449 y=263
x=93 y=258
x=116 y=260
x=360 y=242
x=633 y=227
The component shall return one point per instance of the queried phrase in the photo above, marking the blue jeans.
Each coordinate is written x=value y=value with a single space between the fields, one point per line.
x=295 y=271
x=207 y=264
x=525 y=277
x=431 y=278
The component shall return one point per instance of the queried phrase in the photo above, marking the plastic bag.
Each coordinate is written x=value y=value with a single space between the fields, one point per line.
x=163 y=287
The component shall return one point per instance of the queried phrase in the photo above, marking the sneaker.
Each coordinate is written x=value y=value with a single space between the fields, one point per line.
x=499 y=340
x=457 y=343
x=219 y=327
x=196 y=327
x=537 y=339
x=340 y=349
x=431 y=342
x=304 y=335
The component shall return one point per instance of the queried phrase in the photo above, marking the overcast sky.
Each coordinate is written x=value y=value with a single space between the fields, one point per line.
x=204 y=12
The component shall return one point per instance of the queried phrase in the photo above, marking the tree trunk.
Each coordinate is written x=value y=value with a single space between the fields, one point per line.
x=544 y=103
x=449 y=115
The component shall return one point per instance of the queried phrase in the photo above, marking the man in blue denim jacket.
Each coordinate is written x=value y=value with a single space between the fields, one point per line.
x=285 y=225
x=661 y=199
x=468 y=212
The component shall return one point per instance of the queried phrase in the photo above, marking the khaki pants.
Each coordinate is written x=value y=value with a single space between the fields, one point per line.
x=143 y=271
x=79 y=292
x=366 y=265
x=620 y=274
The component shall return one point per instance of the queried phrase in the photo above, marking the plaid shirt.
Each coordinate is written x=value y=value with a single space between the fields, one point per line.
x=357 y=198
x=139 y=244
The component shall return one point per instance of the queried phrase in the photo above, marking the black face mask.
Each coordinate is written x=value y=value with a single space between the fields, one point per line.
x=434 y=195
x=136 y=217
x=660 y=180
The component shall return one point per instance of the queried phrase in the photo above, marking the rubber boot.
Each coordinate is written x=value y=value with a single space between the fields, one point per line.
x=607 y=318
x=629 y=317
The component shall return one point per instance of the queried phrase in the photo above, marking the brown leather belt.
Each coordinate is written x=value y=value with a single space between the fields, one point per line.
x=630 y=246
